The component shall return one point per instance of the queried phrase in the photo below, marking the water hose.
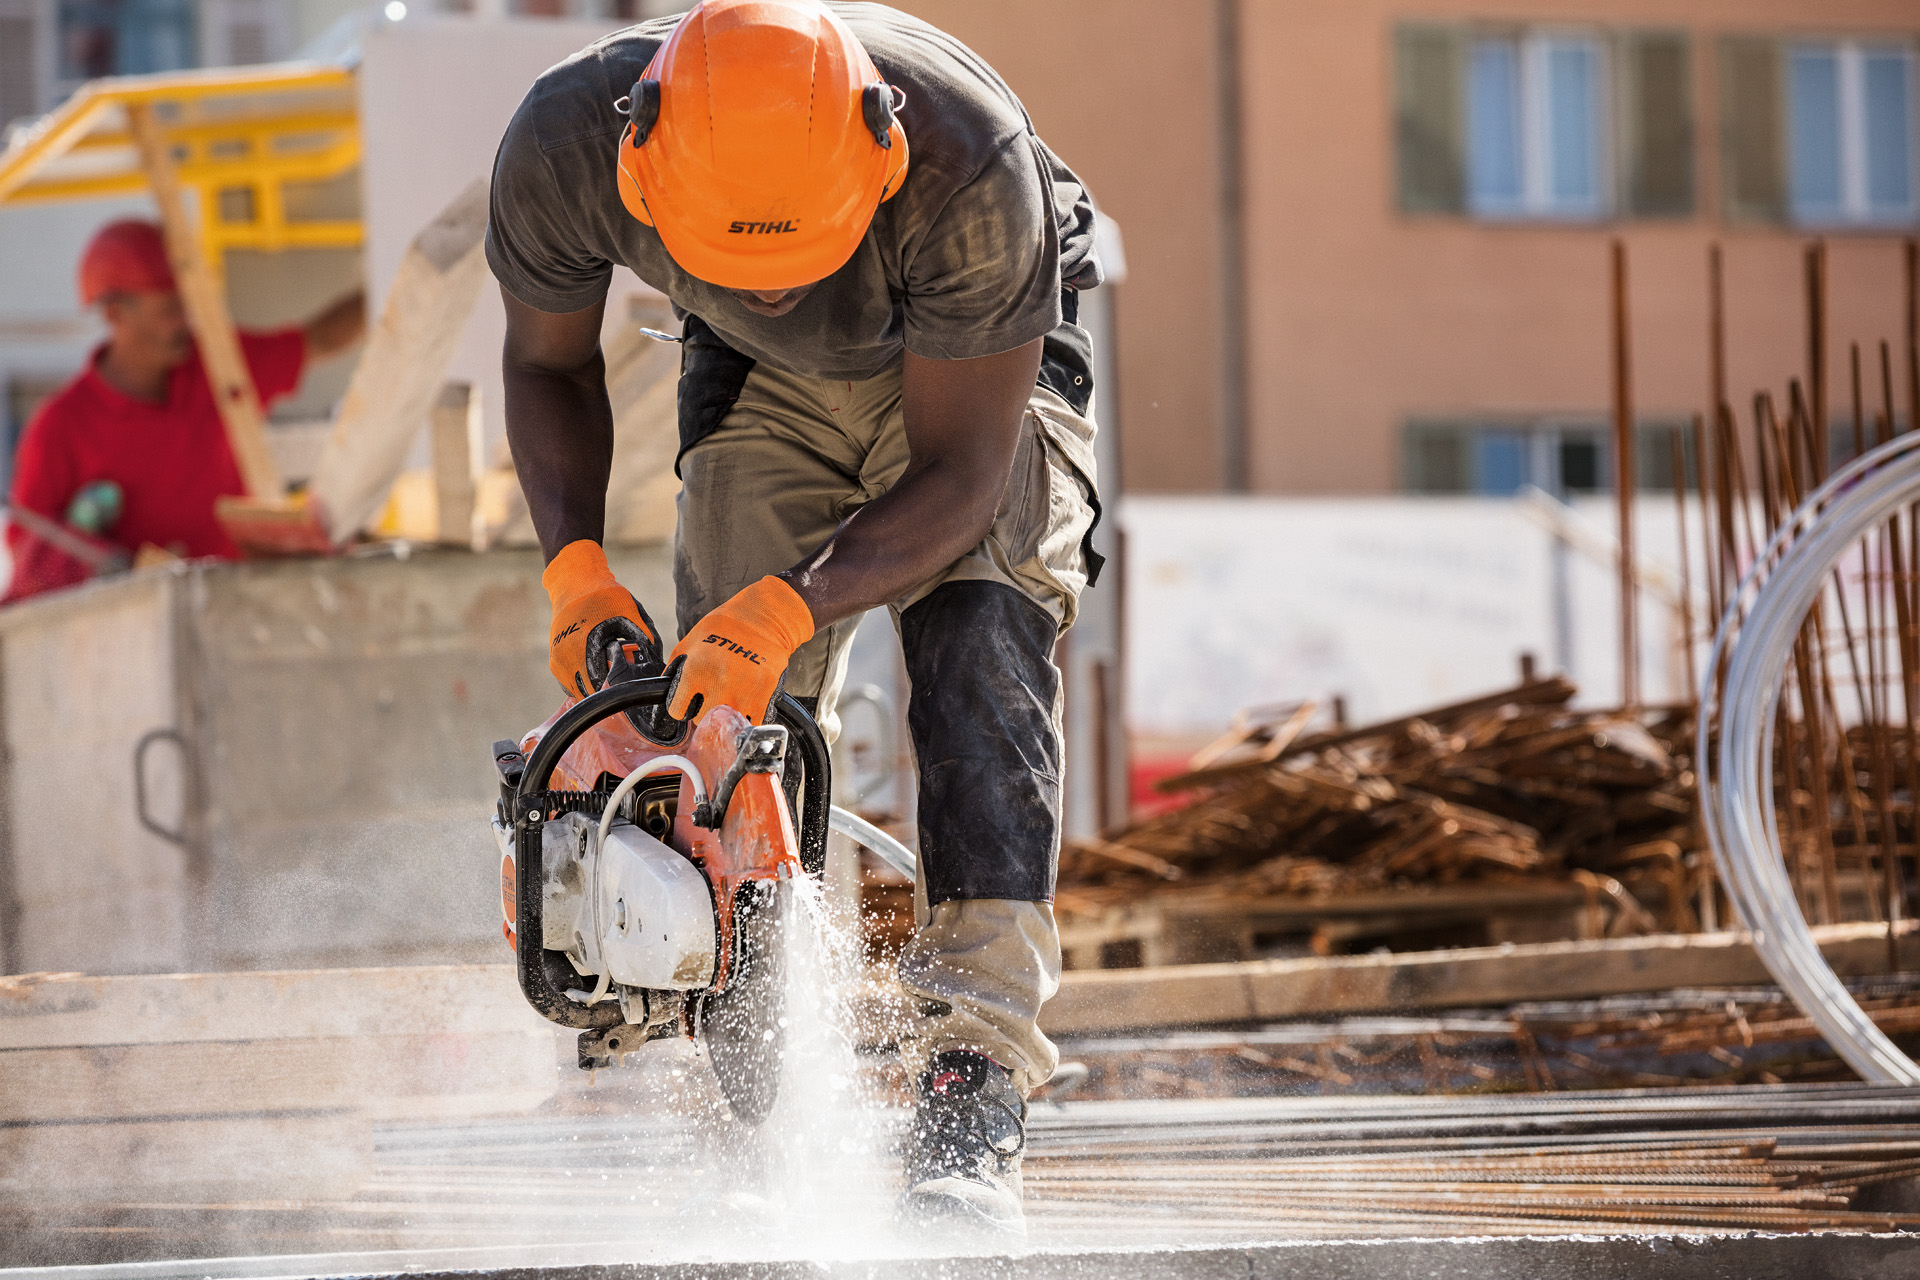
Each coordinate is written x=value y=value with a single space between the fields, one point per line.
x=884 y=846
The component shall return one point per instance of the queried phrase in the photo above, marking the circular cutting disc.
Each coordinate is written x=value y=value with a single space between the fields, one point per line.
x=744 y=1040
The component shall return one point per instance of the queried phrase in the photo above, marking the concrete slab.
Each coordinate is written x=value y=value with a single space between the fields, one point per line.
x=1750 y=1257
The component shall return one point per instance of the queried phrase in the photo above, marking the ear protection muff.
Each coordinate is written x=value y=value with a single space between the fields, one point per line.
x=880 y=104
x=642 y=109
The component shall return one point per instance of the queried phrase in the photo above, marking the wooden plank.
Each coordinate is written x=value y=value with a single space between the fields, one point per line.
x=457 y=457
x=398 y=378
x=643 y=378
x=39 y=1011
x=1102 y=1000
x=1479 y=898
x=382 y=1077
x=234 y=395
x=642 y=381
x=1551 y=691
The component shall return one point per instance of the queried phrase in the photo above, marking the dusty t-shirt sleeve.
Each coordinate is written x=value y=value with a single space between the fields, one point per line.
x=986 y=276
x=536 y=252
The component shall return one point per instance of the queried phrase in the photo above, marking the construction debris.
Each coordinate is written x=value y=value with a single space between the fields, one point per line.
x=1513 y=790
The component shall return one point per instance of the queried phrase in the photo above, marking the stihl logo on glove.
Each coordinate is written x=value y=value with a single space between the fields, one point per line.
x=731 y=647
x=715 y=670
x=586 y=598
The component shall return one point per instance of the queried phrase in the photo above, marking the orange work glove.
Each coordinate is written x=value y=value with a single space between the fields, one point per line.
x=591 y=612
x=737 y=653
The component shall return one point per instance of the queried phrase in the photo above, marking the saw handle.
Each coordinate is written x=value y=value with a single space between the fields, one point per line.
x=809 y=795
x=544 y=987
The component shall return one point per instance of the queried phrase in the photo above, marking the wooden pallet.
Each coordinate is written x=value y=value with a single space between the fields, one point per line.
x=1200 y=927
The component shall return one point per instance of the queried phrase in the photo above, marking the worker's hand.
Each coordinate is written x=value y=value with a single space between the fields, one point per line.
x=591 y=614
x=737 y=654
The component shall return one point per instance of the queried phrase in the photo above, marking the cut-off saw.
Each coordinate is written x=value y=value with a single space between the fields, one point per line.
x=646 y=869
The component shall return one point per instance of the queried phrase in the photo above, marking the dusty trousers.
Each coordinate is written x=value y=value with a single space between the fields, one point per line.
x=785 y=463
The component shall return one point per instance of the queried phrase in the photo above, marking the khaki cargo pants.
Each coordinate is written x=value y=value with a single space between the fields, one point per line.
x=791 y=460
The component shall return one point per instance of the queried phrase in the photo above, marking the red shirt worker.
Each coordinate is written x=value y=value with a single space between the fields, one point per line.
x=132 y=453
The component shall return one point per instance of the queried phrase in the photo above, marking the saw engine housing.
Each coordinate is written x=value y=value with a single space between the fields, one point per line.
x=627 y=908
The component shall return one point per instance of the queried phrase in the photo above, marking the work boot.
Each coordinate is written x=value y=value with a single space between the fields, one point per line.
x=969 y=1128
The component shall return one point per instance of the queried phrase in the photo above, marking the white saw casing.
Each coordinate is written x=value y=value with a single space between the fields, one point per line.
x=648 y=921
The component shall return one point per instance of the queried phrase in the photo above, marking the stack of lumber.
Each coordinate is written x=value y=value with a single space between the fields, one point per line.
x=1512 y=789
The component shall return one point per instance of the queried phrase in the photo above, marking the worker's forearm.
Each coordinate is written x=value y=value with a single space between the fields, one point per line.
x=928 y=520
x=338 y=327
x=560 y=428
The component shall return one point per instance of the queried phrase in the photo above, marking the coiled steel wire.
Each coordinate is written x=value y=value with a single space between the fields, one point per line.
x=1754 y=643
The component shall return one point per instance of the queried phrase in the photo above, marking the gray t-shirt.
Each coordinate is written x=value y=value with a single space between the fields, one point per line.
x=968 y=259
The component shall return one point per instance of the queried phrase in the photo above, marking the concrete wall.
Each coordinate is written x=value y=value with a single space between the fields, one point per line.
x=330 y=781
x=1395 y=604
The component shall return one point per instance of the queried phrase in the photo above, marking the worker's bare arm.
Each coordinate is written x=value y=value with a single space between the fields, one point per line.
x=559 y=421
x=338 y=327
x=963 y=424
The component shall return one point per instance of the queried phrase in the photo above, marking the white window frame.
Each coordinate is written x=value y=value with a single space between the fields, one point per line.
x=1856 y=208
x=1534 y=47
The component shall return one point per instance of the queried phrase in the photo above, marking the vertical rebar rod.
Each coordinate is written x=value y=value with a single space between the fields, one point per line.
x=1686 y=574
x=1913 y=335
x=1809 y=650
x=1709 y=563
x=1716 y=330
x=1907 y=646
x=1625 y=476
x=1817 y=354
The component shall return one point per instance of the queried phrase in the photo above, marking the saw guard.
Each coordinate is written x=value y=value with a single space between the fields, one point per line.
x=757 y=840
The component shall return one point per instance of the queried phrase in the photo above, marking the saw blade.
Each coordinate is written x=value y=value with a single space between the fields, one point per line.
x=745 y=1042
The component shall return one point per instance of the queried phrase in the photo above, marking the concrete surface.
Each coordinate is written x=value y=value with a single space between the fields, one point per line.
x=1754 y=1257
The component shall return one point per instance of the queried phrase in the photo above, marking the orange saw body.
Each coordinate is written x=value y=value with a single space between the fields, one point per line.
x=663 y=851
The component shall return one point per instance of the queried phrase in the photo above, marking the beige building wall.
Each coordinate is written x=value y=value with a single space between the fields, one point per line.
x=1122 y=90
x=1361 y=317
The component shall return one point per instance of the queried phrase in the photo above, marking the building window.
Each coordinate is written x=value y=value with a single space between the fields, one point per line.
x=1543 y=123
x=1501 y=459
x=1535 y=130
x=1819 y=133
x=1850 y=110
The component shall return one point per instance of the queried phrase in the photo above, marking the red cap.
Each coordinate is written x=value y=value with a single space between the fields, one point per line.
x=129 y=256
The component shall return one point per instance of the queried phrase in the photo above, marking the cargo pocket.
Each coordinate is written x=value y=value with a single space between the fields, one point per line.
x=1021 y=524
x=1044 y=535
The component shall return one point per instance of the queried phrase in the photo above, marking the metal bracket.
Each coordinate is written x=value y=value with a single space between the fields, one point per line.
x=761 y=749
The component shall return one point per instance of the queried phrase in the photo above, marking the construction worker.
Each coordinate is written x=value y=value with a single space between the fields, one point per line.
x=132 y=453
x=883 y=400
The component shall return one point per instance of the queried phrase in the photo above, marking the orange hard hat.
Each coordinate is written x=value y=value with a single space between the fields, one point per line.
x=759 y=143
x=128 y=256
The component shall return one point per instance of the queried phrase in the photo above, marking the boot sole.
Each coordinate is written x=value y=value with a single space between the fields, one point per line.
x=960 y=1203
